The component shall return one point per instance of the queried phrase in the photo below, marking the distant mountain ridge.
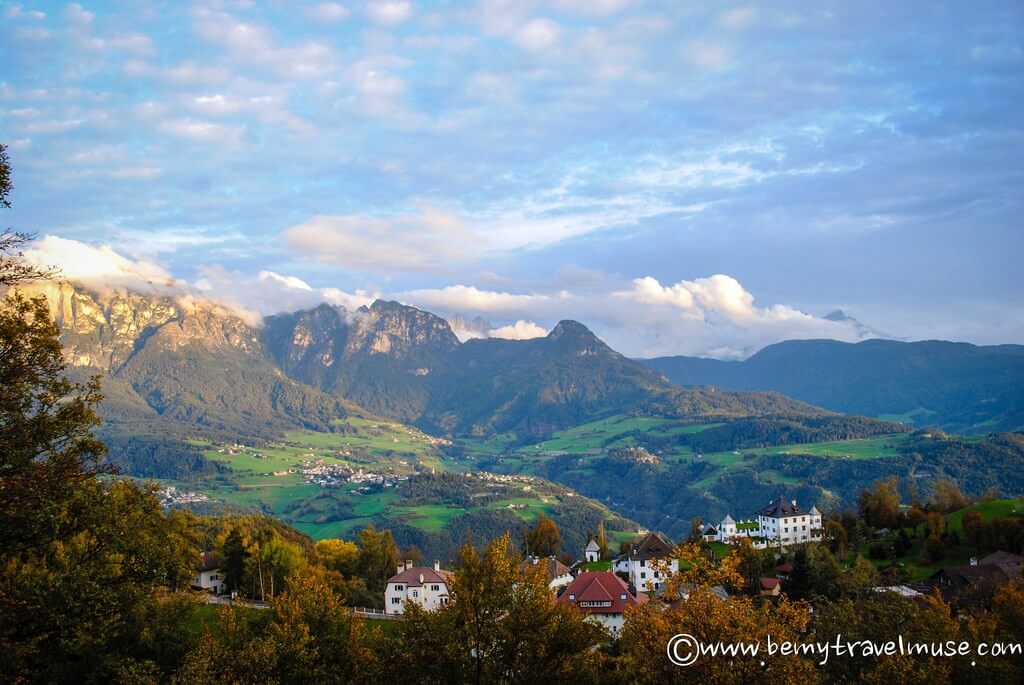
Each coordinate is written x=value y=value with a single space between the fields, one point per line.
x=195 y=363
x=956 y=386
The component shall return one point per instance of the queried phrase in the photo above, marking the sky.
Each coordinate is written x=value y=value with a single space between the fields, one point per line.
x=699 y=178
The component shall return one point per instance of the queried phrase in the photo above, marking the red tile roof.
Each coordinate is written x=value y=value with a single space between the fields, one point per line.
x=419 y=575
x=600 y=592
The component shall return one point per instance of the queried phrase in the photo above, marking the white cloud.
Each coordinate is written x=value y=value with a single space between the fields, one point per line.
x=738 y=18
x=520 y=330
x=15 y=11
x=432 y=240
x=253 y=44
x=600 y=8
x=216 y=105
x=76 y=14
x=709 y=55
x=456 y=298
x=203 y=131
x=98 y=267
x=538 y=34
x=329 y=12
x=709 y=298
x=389 y=12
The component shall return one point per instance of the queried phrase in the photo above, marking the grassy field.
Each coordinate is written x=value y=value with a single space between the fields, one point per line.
x=956 y=555
x=615 y=431
x=863 y=448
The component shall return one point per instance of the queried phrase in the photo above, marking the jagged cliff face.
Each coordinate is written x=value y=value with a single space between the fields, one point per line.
x=100 y=330
x=395 y=330
x=103 y=329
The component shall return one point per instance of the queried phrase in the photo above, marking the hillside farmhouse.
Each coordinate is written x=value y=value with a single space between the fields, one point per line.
x=421 y=585
x=603 y=597
x=648 y=563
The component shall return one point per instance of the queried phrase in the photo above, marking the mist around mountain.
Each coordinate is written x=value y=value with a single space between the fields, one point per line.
x=958 y=387
x=194 y=363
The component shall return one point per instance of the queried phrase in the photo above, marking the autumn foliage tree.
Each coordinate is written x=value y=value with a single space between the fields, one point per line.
x=79 y=556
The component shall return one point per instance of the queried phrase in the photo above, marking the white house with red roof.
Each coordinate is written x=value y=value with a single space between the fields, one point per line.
x=603 y=597
x=422 y=585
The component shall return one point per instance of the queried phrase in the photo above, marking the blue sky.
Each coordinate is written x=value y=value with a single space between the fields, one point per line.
x=684 y=177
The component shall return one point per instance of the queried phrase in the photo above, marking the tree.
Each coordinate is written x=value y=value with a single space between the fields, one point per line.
x=309 y=636
x=880 y=506
x=501 y=626
x=933 y=550
x=47 y=448
x=338 y=555
x=696 y=525
x=602 y=539
x=13 y=267
x=836 y=539
x=378 y=559
x=880 y=617
x=649 y=630
x=974 y=528
x=544 y=539
x=947 y=497
x=915 y=517
x=235 y=555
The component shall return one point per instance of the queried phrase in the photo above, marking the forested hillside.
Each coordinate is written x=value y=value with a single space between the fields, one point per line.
x=959 y=387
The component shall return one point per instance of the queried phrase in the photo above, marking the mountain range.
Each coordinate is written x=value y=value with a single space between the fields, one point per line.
x=196 y=364
x=958 y=387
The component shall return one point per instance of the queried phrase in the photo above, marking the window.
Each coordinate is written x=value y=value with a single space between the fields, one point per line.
x=398 y=588
x=572 y=598
x=435 y=588
x=643 y=574
x=396 y=600
x=415 y=593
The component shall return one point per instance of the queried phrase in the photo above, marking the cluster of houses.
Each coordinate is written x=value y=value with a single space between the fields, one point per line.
x=602 y=595
x=782 y=522
x=646 y=565
x=171 y=496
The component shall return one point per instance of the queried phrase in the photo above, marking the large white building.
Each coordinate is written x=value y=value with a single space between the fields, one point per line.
x=422 y=585
x=648 y=563
x=782 y=522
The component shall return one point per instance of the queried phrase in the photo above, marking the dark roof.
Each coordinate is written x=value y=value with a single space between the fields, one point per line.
x=1001 y=557
x=785 y=567
x=553 y=567
x=782 y=507
x=709 y=529
x=652 y=547
x=601 y=587
x=770 y=583
x=209 y=561
x=419 y=575
x=957 y=577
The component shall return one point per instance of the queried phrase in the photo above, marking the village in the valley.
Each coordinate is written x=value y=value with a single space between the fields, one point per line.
x=604 y=587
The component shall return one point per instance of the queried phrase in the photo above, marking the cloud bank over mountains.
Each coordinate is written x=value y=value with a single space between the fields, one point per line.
x=714 y=175
x=709 y=316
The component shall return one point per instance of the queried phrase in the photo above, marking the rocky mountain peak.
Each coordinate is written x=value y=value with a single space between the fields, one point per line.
x=577 y=337
x=396 y=330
